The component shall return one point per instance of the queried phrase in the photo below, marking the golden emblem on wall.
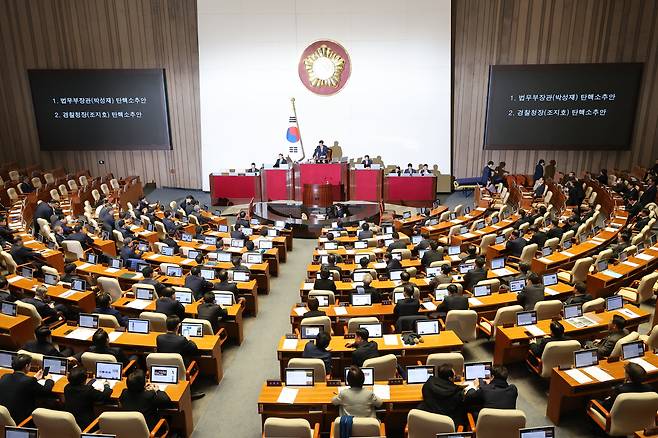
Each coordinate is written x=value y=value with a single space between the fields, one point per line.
x=324 y=67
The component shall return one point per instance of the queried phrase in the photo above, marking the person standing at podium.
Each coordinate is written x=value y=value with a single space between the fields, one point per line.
x=321 y=152
x=366 y=162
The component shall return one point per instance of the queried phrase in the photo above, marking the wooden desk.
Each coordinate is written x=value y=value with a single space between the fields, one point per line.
x=442 y=228
x=565 y=394
x=474 y=237
x=51 y=257
x=512 y=342
x=407 y=225
x=210 y=360
x=318 y=195
x=15 y=331
x=341 y=355
x=272 y=256
x=600 y=284
x=85 y=301
x=107 y=247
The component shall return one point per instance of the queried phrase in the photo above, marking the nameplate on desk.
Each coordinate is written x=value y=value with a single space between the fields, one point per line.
x=334 y=382
x=274 y=383
x=395 y=381
x=349 y=335
x=387 y=302
x=291 y=336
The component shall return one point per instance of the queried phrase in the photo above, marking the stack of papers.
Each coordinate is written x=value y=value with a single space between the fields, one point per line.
x=612 y=274
x=290 y=344
x=567 y=254
x=14 y=279
x=580 y=321
x=628 y=313
x=84 y=266
x=300 y=310
x=81 y=334
x=534 y=330
x=187 y=261
x=138 y=304
x=111 y=270
x=631 y=264
x=550 y=291
x=644 y=364
x=340 y=310
x=153 y=257
x=578 y=376
x=391 y=340
x=598 y=373
x=287 y=395
x=114 y=336
x=502 y=272
x=644 y=256
x=474 y=301
x=429 y=305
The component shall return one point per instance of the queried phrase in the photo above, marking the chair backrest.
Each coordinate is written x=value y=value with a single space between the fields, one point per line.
x=37 y=358
x=10 y=263
x=319 y=370
x=115 y=184
x=422 y=424
x=455 y=360
x=581 y=269
x=616 y=351
x=361 y=427
x=567 y=236
x=416 y=295
x=89 y=360
x=404 y=253
x=14 y=175
x=36 y=182
x=207 y=327
x=123 y=424
x=407 y=323
x=49 y=178
x=170 y=359
x=63 y=190
x=55 y=424
x=528 y=253
x=73 y=249
x=30 y=311
x=463 y=323
x=385 y=366
x=645 y=288
x=287 y=428
x=486 y=242
x=109 y=321
x=557 y=353
x=633 y=411
x=597 y=304
x=496 y=423
x=160 y=229
x=603 y=255
x=324 y=321
x=54 y=194
x=652 y=338
x=548 y=309
x=145 y=286
x=83 y=181
x=505 y=315
x=164 y=266
x=110 y=286
x=105 y=189
x=5 y=417
x=158 y=320
x=330 y=294
x=552 y=243
x=353 y=323
x=493 y=283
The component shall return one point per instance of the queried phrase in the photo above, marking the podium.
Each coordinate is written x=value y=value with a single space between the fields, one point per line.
x=334 y=174
x=277 y=184
x=318 y=195
x=366 y=184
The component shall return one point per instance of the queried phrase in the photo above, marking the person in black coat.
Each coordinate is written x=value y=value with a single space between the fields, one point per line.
x=557 y=334
x=554 y=230
x=409 y=305
x=169 y=224
x=313 y=306
x=237 y=234
x=237 y=264
x=391 y=263
x=43 y=210
x=635 y=375
x=172 y=342
x=538 y=236
x=475 y=275
x=100 y=344
x=147 y=272
x=366 y=232
x=128 y=251
x=649 y=194
x=454 y=301
x=42 y=303
x=425 y=243
x=318 y=350
x=397 y=243
x=280 y=161
x=642 y=220
x=515 y=244
x=442 y=396
x=493 y=393
x=167 y=304
x=210 y=311
x=143 y=398
x=433 y=254
x=580 y=295
x=103 y=307
x=375 y=294
x=18 y=391
x=196 y=283
x=324 y=282
x=364 y=349
x=532 y=293
x=366 y=162
x=5 y=293
x=80 y=236
x=242 y=220
x=20 y=253
x=43 y=344
x=224 y=285
x=79 y=398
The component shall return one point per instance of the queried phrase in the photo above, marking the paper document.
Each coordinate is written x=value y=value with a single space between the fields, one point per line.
x=14 y=279
x=612 y=274
x=644 y=256
x=81 y=333
x=114 y=336
x=300 y=311
x=467 y=235
x=578 y=376
x=628 y=313
x=580 y=321
x=545 y=260
x=550 y=291
x=598 y=239
x=99 y=384
x=187 y=261
x=111 y=270
x=153 y=257
x=567 y=254
x=534 y=330
x=322 y=252
x=631 y=264
x=391 y=340
x=84 y=266
x=429 y=305
x=502 y=272
x=610 y=229
x=67 y=294
x=289 y=344
x=308 y=286
x=380 y=265
x=138 y=304
x=644 y=364
x=598 y=373
x=382 y=391
x=53 y=377
x=340 y=310
x=472 y=301
x=287 y=395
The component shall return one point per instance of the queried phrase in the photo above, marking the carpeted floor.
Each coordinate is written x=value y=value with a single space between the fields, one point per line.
x=230 y=409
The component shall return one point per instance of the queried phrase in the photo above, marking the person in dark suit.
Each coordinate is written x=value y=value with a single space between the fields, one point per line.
x=539 y=170
x=471 y=253
x=397 y=243
x=321 y=151
x=318 y=350
x=366 y=162
x=43 y=344
x=18 y=391
x=445 y=277
x=144 y=398
x=424 y=243
x=69 y=273
x=43 y=210
x=20 y=253
x=409 y=305
x=225 y=285
x=103 y=307
x=554 y=230
x=557 y=334
x=121 y=228
x=454 y=301
x=616 y=331
x=313 y=305
x=42 y=303
x=532 y=293
x=442 y=396
x=634 y=377
x=642 y=220
x=167 y=304
x=169 y=224
x=539 y=188
x=5 y=293
x=475 y=275
x=237 y=264
x=79 y=398
x=433 y=254
x=100 y=344
x=210 y=311
x=364 y=349
x=129 y=252
x=197 y=284
x=80 y=236
x=280 y=161
x=409 y=170
x=649 y=194
x=324 y=282
x=26 y=186
x=375 y=294
x=147 y=272
x=365 y=232
x=493 y=392
x=580 y=295
x=524 y=271
x=538 y=236
x=391 y=263
x=623 y=242
x=515 y=244
x=172 y=342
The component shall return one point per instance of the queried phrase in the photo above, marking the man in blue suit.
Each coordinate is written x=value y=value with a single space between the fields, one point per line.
x=321 y=152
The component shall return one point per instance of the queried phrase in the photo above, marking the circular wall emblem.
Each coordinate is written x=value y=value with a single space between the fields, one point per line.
x=324 y=67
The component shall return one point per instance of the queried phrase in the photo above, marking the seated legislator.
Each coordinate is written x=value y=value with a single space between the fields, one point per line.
x=475 y=275
x=616 y=331
x=355 y=400
x=79 y=397
x=210 y=311
x=147 y=272
x=445 y=277
x=280 y=161
x=172 y=342
x=409 y=170
x=494 y=392
x=22 y=254
x=442 y=396
x=375 y=294
x=364 y=349
x=580 y=295
x=225 y=285
x=43 y=344
x=532 y=293
x=69 y=273
x=515 y=244
x=634 y=377
x=391 y=263
x=454 y=301
x=237 y=266
x=5 y=293
x=433 y=254
x=81 y=236
x=366 y=162
x=100 y=344
x=397 y=243
x=557 y=334
x=103 y=307
x=197 y=284
x=18 y=391
x=144 y=398
x=318 y=350
x=408 y=306
x=41 y=301
x=313 y=305
x=425 y=243
x=167 y=304
x=324 y=282
x=128 y=252
x=366 y=232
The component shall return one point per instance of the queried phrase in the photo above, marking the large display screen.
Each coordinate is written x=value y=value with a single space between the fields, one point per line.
x=100 y=109
x=562 y=106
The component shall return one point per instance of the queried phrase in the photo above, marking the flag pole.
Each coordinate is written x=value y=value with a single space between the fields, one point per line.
x=301 y=142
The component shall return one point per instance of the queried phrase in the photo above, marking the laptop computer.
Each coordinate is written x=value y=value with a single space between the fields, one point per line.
x=427 y=326
x=477 y=370
x=144 y=293
x=632 y=350
x=167 y=251
x=299 y=377
x=224 y=299
x=239 y=276
x=516 y=285
x=368 y=374
x=88 y=320
x=585 y=358
x=482 y=290
x=164 y=374
x=361 y=299
x=8 y=308
x=210 y=240
x=614 y=302
x=183 y=296
x=7 y=358
x=50 y=279
x=265 y=244
x=537 y=432
x=419 y=373
x=136 y=325
x=191 y=329
x=208 y=273
x=55 y=365
x=174 y=271
x=254 y=258
x=79 y=285
x=310 y=331
x=526 y=318
x=22 y=432
x=374 y=329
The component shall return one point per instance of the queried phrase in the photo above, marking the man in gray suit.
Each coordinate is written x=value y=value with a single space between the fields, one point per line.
x=616 y=331
x=532 y=293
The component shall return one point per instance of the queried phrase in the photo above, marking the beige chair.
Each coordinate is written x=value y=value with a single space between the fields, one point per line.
x=567 y=236
x=616 y=351
x=108 y=321
x=96 y=195
x=651 y=339
x=422 y=424
x=114 y=183
x=463 y=323
x=105 y=189
x=207 y=326
x=36 y=182
x=14 y=175
x=455 y=360
x=54 y=194
x=504 y=316
x=118 y=238
x=5 y=418
x=89 y=360
x=578 y=272
x=317 y=365
x=454 y=230
x=37 y=359
x=55 y=424
x=30 y=311
x=400 y=289
x=493 y=283
x=353 y=323
x=486 y=242
x=640 y=291
x=50 y=270
x=84 y=182
x=289 y=428
x=49 y=178
x=630 y=250
x=144 y=286
x=73 y=186
x=630 y=412
x=158 y=321
x=552 y=243
x=324 y=321
x=10 y=263
x=549 y=309
x=595 y=305
x=161 y=230
x=603 y=255
x=174 y=360
x=328 y=293
x=438 y=263
x=527 y=254
x=13 y=195
x=362 y=427
x=110 y=286
x=63 y=191
x=497 y=423
x=386 y=366
x=556 y=353
x=73 y=250
x=129 y=425
x=164 y=266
